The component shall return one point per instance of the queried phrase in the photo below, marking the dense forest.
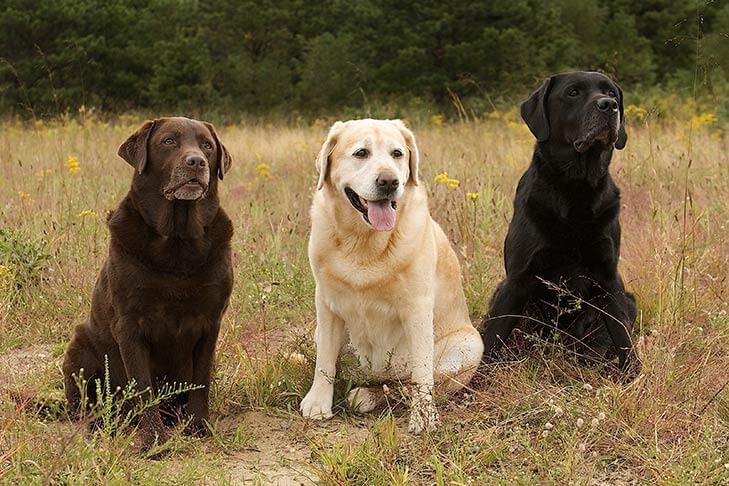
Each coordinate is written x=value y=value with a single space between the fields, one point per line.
x=309 y=56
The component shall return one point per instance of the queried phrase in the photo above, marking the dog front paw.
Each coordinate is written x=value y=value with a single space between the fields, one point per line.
x=147 y=437
x=198 y=428
x=317 y=405
x=423 y=414
x=365 y=399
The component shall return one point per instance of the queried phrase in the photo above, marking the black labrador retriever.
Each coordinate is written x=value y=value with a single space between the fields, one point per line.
x=561 y=251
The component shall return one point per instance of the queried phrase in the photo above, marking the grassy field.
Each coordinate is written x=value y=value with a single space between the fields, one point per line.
x=538 y=418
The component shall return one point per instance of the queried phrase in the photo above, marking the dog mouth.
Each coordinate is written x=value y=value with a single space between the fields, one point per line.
x=189 y=189
x=605 y=135
x=380 y=214
x=599 y=128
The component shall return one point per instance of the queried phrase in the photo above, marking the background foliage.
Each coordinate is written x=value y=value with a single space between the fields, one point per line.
x=315 y=57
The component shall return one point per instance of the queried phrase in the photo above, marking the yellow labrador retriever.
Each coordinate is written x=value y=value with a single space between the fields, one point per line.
x=386 y=273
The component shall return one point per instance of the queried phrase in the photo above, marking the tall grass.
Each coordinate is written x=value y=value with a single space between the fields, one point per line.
x=538 y=417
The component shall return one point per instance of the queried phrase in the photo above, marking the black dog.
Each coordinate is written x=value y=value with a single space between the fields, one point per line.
x=563 y=242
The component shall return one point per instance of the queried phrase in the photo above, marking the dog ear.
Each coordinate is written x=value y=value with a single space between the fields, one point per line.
x=134 y=149
x=224 y=158
x=412 y=149
x=534 y=111
x=622 y=134
x=322 y=160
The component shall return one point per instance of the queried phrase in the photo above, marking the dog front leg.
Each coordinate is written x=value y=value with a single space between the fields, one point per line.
x=135 y=354
x=199 y=402
x=619 y=324
x=329 y=337
x=507 y=305
x=419 y=329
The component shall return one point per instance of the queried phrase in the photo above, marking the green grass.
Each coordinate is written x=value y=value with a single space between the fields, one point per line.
x=536 y=418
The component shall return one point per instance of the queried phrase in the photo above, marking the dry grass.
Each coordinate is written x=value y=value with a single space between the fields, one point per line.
x=538 y=418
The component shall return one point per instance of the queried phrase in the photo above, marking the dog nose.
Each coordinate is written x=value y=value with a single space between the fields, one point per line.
x=196 y=161
x=607 y=104
x=387 y=182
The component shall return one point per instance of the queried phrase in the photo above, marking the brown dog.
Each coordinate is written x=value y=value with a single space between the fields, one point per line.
x=161 y=295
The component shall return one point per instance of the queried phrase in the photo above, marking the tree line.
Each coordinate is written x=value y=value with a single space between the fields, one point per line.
x=321 y=56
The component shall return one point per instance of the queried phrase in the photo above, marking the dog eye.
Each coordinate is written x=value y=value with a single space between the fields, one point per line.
x=611 y=94
x=573 y=92
x=168 y=141
x=207 y=145
x=362 y=153
x=397 y=153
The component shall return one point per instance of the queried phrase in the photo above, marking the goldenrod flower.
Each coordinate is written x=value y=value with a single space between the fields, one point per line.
x=263 y=170
x=702 y=120
x=88 y=213
x=73 y=164
x=7 y=280
x=472 y=196
x=635 y=112
x=443 y=178
x=437 y=120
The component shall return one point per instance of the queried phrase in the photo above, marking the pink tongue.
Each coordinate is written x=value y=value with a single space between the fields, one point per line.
x=381 y=215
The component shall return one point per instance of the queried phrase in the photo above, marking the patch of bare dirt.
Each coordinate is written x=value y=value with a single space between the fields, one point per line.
x=19 y=364
x=281 y=448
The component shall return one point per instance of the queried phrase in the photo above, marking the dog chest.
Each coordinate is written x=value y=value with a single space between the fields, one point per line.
x=375 y=332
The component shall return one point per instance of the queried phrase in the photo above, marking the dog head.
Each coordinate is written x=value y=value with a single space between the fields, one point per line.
x=176 y=157
x=370 y=164
x=578 y=109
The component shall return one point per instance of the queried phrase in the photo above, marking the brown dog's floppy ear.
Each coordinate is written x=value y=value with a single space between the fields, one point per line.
x=134 y=149
x=322 y=160
x=224 y=158
x=534 y=111
x=622 y=134
x=414 y=163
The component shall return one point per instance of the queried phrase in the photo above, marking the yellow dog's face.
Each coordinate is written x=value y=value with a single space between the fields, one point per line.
x=370 y=163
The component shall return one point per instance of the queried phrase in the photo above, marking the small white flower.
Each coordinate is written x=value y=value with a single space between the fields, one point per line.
x=545 y=433
x=548 y=426
x=558 y=411
x=595 y=422
x=602 y=416
x=582 y=447
x=580 y=422
x=726 y=466
x=587 y=387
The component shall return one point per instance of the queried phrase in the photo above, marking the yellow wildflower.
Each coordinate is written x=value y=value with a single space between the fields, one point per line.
x=702 y=120
x=494 y=115
x=88 y=213
x=318 y=123
x=264 y=171
x=472 y=196
x=437 y=120
x=443 y=178
x=634 y=112
x=7 y=280
x=73 y=164
x=23 y=195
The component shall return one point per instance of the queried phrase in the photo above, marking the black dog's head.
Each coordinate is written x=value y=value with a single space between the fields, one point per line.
x=578 y=110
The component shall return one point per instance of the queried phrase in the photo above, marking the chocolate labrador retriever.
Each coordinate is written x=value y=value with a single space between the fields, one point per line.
x=160 y=297
x=561 y=251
